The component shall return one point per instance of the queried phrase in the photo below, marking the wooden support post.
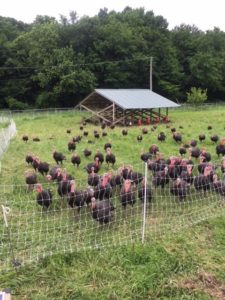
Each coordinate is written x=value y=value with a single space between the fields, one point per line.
x=113 y=112
x=167 y=111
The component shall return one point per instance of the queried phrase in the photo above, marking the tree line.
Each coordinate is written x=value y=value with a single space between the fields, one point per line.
x=52 y=63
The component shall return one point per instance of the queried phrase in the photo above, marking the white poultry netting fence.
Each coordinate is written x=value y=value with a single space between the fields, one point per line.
x=7 y=132
x=30 y=233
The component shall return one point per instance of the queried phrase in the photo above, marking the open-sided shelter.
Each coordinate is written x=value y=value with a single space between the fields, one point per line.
x=120 y=106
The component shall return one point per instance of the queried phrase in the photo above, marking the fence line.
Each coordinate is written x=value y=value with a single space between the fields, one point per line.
x=204 y=106
x=6 y=134
x=30 y=233
x=184 y=106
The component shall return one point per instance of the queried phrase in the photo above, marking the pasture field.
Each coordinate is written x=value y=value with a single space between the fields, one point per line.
x=89 y=261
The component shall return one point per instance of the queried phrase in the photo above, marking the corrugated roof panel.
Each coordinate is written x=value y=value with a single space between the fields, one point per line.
x=136 y=98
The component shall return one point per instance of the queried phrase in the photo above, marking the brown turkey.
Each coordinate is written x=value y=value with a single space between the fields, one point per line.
x=44 y=197
x=31 y=179
x=58 y=157
x=25 y=138
x=110 y=158
x=127 y=194
x=75 y=159
x=71 y=146
x=102 y=211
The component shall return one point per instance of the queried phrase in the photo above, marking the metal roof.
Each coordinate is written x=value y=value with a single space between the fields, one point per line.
x=136 y=98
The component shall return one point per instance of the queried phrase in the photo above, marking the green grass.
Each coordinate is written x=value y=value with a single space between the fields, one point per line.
x=90 y=262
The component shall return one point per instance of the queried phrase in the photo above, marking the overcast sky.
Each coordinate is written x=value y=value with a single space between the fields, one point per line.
x=205 y=14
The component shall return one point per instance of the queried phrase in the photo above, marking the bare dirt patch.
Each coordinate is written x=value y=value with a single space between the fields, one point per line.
x=206 y=283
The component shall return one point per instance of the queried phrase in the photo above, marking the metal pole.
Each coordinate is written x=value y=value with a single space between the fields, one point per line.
x=145 y=203
x=151 y=59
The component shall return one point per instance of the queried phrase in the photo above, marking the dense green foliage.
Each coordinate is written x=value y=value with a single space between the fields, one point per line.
x=52 y=63
x=196 y=96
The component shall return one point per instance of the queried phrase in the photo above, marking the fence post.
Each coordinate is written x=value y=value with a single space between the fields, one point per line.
x=6 y=212
x=144 y=207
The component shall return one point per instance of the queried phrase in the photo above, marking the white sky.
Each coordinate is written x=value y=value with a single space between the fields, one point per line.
x=205 y=14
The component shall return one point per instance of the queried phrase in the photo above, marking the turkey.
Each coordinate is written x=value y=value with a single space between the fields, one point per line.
x=36 y=139
x=145 y=156
x=223 y=166
x=161 y=178
x=205 y=155
x=214 y=138
x=71 y=146
x=174 y=168
x=127 y=195
x=193 y=143
x=87 y=152
x=96 y=135
x=35 y=162
x=75 y=159
x=64 y=186
x=142 y=191
x=202 y=181
x=153 y=149
x=54 y=173
x=58 y=157
x=88 y=194
x=102 y=211
x=115 y=180
x=94 y=165
x=218 y=186
x=44 y=197
x=77 y=138
x=31 y=179
x=43 y=168
x=158 y=164
x=108 y=145
x=124 y=132
x=93 y=178
x=201 y=137
x=29 y=158
x=103 y=190
x=110 y=158
x=25 y=138
x=177 y=137
x=161 y=137
x=144 y=130
x=139 y=138
x=126 y=171
x=179 y=188
x=182 y=151
x=100 y=156
x=187 y=174
x=75 y=197
x=220 y=149
x=195 y=152
x=135 y=177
